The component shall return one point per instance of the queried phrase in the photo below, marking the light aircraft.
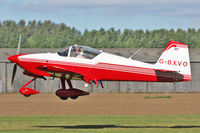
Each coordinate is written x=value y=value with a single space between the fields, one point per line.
x=94 y=66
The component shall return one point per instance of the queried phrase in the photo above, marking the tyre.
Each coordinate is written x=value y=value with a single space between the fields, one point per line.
x=63 y=98
x=74 y=97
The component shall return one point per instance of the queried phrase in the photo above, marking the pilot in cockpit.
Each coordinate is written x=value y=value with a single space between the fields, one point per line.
x=79 y=52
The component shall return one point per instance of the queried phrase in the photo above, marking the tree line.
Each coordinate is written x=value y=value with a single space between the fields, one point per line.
x=47 y=34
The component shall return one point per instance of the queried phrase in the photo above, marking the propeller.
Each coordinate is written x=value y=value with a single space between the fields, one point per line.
x=14 y=72
x=19 y=43
x=15 y=64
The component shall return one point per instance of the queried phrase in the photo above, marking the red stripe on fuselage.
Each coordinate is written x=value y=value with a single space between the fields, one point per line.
x=100 y=71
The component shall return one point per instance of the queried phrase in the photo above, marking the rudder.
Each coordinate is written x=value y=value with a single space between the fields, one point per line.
x=175 y=58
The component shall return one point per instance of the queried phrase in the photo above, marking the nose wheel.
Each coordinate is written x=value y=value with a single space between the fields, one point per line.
x=27 y=95
x=27 y=92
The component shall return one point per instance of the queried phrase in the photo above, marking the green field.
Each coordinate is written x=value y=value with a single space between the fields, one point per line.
x=101 y=124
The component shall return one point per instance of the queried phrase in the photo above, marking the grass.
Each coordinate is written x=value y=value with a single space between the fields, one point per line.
x=101 y=124
x=156 y=97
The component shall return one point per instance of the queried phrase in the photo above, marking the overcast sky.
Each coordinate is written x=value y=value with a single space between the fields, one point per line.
x=94 y=14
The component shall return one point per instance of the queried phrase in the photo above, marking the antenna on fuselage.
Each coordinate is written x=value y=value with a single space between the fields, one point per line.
x=135 y=53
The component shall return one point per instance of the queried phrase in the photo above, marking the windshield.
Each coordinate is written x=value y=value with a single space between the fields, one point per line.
x=64 y=51
x=79 y=51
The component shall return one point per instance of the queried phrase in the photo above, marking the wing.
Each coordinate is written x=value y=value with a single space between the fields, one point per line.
x=56 y=71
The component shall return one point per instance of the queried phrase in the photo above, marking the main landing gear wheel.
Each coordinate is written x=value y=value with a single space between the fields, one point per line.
x=73 y=97
x=73 y=93
x=63 y=98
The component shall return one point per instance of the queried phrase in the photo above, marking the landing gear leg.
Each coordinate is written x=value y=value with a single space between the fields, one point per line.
x=69 y=84
x=60 y=92
x=71 y=88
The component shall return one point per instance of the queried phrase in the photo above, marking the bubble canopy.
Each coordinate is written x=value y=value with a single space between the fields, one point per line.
x=79 y=51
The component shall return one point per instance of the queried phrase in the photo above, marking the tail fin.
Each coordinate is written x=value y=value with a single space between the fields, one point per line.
x=175 y=58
